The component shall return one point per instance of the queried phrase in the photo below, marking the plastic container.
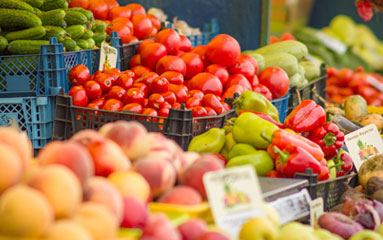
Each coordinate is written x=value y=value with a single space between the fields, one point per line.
x=282 y=105
x=127 y=51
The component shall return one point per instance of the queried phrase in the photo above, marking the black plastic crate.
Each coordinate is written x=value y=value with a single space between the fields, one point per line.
x=179 y=125
x=127 y=51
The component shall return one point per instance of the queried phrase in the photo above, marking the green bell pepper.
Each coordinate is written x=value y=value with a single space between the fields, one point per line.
x=260 y=160
x=229 y=144
x=211 y=141
x=241 y=149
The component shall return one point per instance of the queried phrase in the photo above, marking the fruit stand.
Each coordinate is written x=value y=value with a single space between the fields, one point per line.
x=165 y=120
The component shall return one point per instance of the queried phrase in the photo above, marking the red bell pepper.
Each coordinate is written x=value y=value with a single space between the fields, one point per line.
x=329 y=138
x=273 y=174
x=324 y=171
x=307 y=116
x=265 y=117
x=295 y=159
x=343 y=163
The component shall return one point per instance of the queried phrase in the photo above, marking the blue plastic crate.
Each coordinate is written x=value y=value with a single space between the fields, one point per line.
x=282 y=105
x=34 y=115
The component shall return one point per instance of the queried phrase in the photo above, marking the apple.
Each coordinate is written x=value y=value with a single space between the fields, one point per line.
x=260 y=228
x=296 y=231
x=366 y=235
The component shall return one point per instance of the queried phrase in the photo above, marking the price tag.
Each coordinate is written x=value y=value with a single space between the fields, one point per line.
x=108 y=57
x=332 y=43
x=363 y=144
x=234 y=196
x=316 y=210
x=293 y=207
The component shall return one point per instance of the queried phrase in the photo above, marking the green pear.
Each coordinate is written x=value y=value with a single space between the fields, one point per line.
x=380 y=230
x=323 y=234
x=366 y=235
x=296 y=231
x=260 y=228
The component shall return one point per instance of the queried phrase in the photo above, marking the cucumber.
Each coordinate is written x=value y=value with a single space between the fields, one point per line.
x=16 y=4
x=69 y=44
x=99 y=38
x=53 y=17
x=75 y=31
x=75 y=18
x=91 y=43
x=87 y=34
x=88 y=14
x=83 y=44
x=23 y=47
x=99 y=26
x=36 y=11
x=54 y=4
x=12 y=19
x=34 y=33
x=3 y=44
x=283 y=60
x=57 y=32
x=295 y=48
x=34 y=3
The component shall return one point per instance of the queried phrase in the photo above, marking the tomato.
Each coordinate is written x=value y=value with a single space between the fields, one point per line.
x=164 y=112
x=179 y=91
x=331 y=72
x=345 y=92
x=262 y=89
x=153 y=33
x=79 y=75
x=251 y=60
x=199 y=111
x=273 y=39
x=130 y=73
x=210 y=111
x=367 y=92
x=287 y=36
x=136 y=9
x=223 y=49
x=79 y=97
x=140 y=70
x=155 y=21
x=146 y=102
x=135 y=61
x=93 y=90
x=99 y=8
x=238 y=79
x=125 y=81
x=165 y=104
x=150 y=112
x=133 y=107
x=142 y=26
x=159 y=85
x=201 y=51
x=151 y=53
x=143 y=44
x=194 y=64
x=170 y=39
x=276 y=80
x=176 y=105
x=185 y=44
x=116 y=92
x=193 y=102
x=148 y=78
x=134 y=95
x=98 y=102
x=344 y=77
x=105 y=81
x=244 y=67
x=113 y=105
x=195 y=93
x=79 y=3
x=211 y=100
x=169 y=97
x=254 y=81
x=233 y=89
x=207 y=83
x=142 y=87
x=114 y=72
x=119 y=12
x=92 y=105
x=171 y=63
x=155 y=100
x=126 y=22
x=173 y=77
x=123 y=31
x=134 y=40
x=226 y=106
x=219 y=71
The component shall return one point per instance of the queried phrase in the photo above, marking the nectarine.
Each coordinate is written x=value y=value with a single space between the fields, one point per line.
x=19 y=142
x=11 y=170
x=192 y=229
x=135 y=213
x=67 y=229
x=160 y=227
x=183 y=195
x=86 y=137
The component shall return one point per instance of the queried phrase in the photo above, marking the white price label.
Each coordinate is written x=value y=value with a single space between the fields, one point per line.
x=316 y=210
x=108 y=57
x=332 y=43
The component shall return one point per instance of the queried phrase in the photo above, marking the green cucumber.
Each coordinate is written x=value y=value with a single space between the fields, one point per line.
x=69 y=44
x=91 y=43
x=75 y=31
x=34 y=33
x=34 y=3
x=3 y=44
x=12 y=19
x=36 y=11
x=99 y=38
x=99 y=26
x=54 y=4
x=16 y=4
x=75 y=18
x=87 y=13
x=57 y=32
x=87 y=34
x=23 y=47
x=53 y=17
x=83 y=44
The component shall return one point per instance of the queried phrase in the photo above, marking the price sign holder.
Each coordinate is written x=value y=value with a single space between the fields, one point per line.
x=108 y=57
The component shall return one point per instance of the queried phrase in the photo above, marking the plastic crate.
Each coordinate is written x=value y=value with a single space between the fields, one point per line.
x=33 y=114
x=179 y=125
x=282 y=105
x=127 y=51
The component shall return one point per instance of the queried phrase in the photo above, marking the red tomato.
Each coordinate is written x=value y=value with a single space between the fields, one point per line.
x=132 y=107
x=155 y=21
x=126 y=22
x=179 y=91
x=142 y=26
x=105 y=81
x=155 y=100
x=79 y=97
x=135 y=61
x=130 y=73
x=79 y=75
x=199 y=111
x=113 y=105
x=251 y=60
x=171 y=63
x=96 y=74
x=173 y=77
x=148 y=78
x=233 y=89
x=93 y=90
x=143 y=44
x=146 y=102
x=176 y=105
x=185 y=44
x=207 y=83
x=116 y=92
x=244 y=67
x=92 y=105
x=194 y=64
x=223 y=49
x=140 y=70
x=119 y=12
x=169 y=97
x=226 y=106
x=98 y=102
x=276 y=80
x=367 y=92
x=273 y=39
x=125 y=81
x=211 y=100
x=154 y=32
x=344 y=77
x=287 y=36
x=133 y=39
x=345 y=92
x=136 y=9
x=114 y=72
x=210 y=111
x=123 y=31
x=134 y=95
x=150 y=112
x=79 y=3
x=170 y=39
x=195 y=93
x=159 y=85
x=331 y=72
x=193 y=102
x=219 y=71
x=238 y=79
x=99 y=9
x=262 y=89
x=201 y=51
x=254 y=81
x=142 y=87
x=164 y=112
x=151 y=53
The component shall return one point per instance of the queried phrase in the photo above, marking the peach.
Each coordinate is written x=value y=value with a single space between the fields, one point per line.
x=192 y=229
x=193 y=175
x=97 y=220
x=135 y=213
x=159 y=173
x=130 y=183
x=183 y=195
x=32 y=169
x=70 y=154
x=104 y=192
x=11 y=170
x=131 y=136
x=19 y=142
x=24 y=212
x=211 y=235
x=86 y=137
x=160 y=228
x=67 y=229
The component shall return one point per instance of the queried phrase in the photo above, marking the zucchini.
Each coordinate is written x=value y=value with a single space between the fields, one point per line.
x=57 y=32
x=3 y=44
x=99 y=38
x=16 y=4
x=87 y=34
x=75 y=31
x=88 y=14
x=91 y=43
x=75 y=18
x=282 y=60
x=13 y=19
x=34 y=33
x=99 y=26
x=83 y=44
x=295 y=48
x=23 y=47
x=34 y=3
x=69 y=44
x=54 y=4
x=53 y=17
